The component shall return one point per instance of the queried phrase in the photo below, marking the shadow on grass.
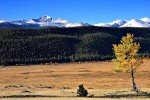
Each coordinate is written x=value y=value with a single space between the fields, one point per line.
x=27 y=96
x=110 y=95
x=136 y=95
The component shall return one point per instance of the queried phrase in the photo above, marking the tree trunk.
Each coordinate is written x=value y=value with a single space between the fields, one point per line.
x=134 y=88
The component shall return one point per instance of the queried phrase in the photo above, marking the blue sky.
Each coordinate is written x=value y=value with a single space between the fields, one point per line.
x=90 y=11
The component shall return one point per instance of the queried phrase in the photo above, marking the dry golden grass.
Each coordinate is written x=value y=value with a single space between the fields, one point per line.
x=63 y=79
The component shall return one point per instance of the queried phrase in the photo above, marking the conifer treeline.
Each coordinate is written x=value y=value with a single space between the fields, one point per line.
x=36 y=46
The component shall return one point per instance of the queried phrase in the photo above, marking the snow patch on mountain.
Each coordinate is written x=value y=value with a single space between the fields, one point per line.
x=103 y=25
x=3 y=21
x=59 y=20
x=145 y=19
x=31 y=21
x=116 y=23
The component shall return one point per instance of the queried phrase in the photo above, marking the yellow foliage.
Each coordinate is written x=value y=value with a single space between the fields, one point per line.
x=127 y=54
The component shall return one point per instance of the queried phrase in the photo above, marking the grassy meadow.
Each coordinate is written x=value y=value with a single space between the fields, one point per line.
x=60 y=82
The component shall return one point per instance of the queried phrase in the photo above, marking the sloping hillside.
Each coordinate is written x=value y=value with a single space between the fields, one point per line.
x=36 y=46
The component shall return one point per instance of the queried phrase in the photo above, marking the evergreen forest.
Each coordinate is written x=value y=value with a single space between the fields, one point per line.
x=63 y=45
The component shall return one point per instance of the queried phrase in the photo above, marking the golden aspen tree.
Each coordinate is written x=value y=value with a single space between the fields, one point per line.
x=126 y=57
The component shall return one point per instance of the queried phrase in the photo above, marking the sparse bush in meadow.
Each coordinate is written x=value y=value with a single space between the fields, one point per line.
x=82 y=92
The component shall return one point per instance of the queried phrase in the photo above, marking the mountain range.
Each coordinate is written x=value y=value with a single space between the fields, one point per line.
x=44 y=21
x=48 y=21
x=143 y=22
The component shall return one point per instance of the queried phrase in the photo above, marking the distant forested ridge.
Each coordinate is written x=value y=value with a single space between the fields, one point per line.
x=36 y=46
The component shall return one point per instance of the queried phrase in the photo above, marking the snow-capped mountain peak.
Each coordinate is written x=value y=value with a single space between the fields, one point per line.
x=45 y=18
x=143 y=22
x=48 y=21
x=135 y=23
x=41 y=19
x=119 y=22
